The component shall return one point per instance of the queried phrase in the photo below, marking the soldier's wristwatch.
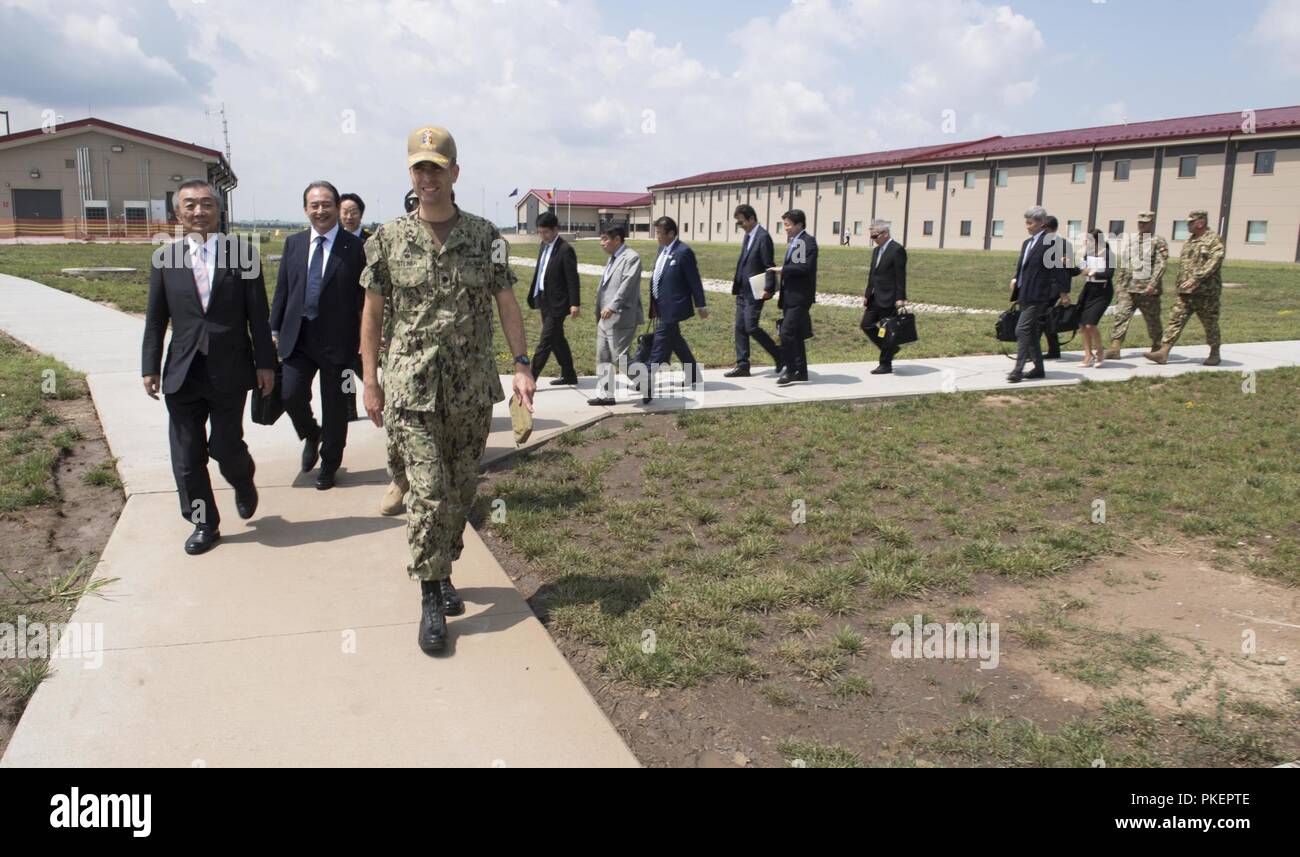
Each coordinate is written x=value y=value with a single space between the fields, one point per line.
x=522 y=360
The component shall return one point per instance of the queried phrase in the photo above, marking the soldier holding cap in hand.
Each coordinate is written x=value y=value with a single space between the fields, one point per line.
x=439 y=268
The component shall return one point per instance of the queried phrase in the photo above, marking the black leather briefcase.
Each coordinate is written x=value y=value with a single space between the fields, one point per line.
x=900 y=329
x=265 y=410
x=1006 y=326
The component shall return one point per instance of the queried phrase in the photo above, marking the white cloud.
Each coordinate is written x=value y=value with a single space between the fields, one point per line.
x=546 y=94
x=1278 y=29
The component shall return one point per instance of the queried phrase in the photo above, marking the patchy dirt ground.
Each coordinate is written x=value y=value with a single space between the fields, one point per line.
x=42 y=544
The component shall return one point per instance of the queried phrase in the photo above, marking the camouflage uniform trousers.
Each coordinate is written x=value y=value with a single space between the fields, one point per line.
x=1129 y=302
x=1204 y=305
x=440 y=454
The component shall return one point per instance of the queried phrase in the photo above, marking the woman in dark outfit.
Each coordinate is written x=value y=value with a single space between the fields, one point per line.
x=1099 y=268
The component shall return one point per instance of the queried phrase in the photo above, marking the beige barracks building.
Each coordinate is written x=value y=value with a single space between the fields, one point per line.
x=90 y=178
x=1242 y=168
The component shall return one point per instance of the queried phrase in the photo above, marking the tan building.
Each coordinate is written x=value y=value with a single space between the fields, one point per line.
x=91 y=178
x=1244 y=168
x=584 y=212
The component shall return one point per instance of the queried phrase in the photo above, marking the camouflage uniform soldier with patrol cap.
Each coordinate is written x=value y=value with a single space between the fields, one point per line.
x=440 y=268
x=1200 y=285
x=1139 y=281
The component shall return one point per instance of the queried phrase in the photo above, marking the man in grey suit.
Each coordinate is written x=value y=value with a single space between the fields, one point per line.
x=756 y=256
x=618 y=310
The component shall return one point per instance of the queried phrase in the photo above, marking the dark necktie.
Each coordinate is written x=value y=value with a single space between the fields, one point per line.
x=315 y=275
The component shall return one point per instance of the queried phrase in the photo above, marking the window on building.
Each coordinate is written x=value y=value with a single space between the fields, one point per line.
x=969 y=180
x=839 y=188
x=780 y=192
x=1180 y=231
x=701 y=229
x=687 y=227
x=1187 y=167
x=1002 y=176
x=1074 y=229
x=862 y=186
x=999 y=228
x=71 y=164
x=717 y=227
x=889 y=184
x=835 y=227
x=1080 y=174
x=1264 y=162
x=1116 y=228
x=857 y=227
x=1256 y=231
x=931 y=181
x=927 y=228
x=719 y=196
x=739 y=194
x=758 y=193
x=798 y=189
x=1122 y=169
x=965 y=228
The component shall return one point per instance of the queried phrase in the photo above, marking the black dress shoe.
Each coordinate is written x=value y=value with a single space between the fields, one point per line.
x=452 y=603
x=738 y=372
x=201 y=541
x=557 y=382
x=310 y=452
x=433 y=621
x=246 y=500
x=1015 y=378
x=325 y=479
x=602 y=403
x=883 y=369
x=787 y=380
x=1036 y=375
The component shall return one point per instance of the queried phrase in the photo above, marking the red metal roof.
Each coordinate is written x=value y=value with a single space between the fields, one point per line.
x=1272 y=119
x=819 y=165
x=119 y=129
x=1214 y=125
x=594 y=198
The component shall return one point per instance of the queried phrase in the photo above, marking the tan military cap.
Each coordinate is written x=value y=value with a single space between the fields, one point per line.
x=521 y=420
x=1198 y=214
x=430 y=144
x=1146 y=217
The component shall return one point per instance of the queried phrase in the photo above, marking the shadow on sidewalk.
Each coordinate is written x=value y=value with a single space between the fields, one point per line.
x=275 y=532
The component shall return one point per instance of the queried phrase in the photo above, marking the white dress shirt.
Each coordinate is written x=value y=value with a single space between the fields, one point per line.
x=542 y=263
x=325 y=248
x=209 y=258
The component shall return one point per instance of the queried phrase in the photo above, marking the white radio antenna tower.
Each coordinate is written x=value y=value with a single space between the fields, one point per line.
x=225 y=129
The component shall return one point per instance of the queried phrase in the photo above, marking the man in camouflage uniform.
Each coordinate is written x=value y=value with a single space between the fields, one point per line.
x=1199 y=287
x=440 y=268
x=1139 y=280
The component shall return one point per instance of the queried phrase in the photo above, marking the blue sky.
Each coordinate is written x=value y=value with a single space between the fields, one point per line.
x=601 y=95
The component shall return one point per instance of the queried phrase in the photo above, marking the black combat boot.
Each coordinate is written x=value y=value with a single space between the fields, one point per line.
x=452 y=603
x=433 y=621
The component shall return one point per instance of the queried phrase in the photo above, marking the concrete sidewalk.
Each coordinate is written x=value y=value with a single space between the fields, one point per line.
x=293 y=642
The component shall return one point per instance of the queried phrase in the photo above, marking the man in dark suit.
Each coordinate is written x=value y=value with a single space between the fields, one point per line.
x=316 y=320
x=755 y=258
x=1042 y=279
x=886 y=291
x=1072 y=270
x=352 y=210
x=798 y=294
x=210 y=289
x=676 y=290
x=556 y=291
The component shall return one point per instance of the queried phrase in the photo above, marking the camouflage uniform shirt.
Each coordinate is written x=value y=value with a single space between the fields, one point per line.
x=1202 y=262
x=1142 y=263
x=440 y=346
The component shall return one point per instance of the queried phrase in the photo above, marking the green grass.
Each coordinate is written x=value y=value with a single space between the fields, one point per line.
x=31 y=440
x=1267 y=309
x=626 y=538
